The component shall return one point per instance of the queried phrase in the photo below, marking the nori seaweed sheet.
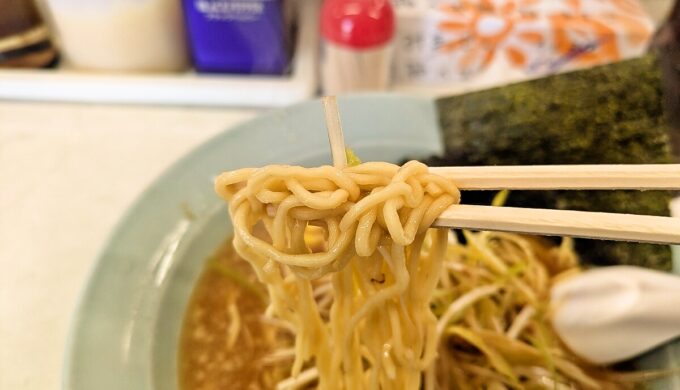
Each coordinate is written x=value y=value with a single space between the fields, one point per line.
x=666 y=43
x=604 y=115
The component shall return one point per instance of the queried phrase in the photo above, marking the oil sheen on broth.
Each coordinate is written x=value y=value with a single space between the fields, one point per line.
x=223 y=339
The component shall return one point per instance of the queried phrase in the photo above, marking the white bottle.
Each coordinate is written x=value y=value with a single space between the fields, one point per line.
x=121 y=35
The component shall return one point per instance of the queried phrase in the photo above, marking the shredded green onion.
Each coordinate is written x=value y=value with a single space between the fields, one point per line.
x=500 y=198
x=352 y=159
x=239 y=279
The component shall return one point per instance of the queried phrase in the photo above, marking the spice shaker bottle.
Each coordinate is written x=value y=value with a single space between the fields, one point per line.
x=357 y=38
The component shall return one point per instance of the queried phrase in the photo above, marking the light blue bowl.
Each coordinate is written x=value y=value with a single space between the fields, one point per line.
x=126 y=330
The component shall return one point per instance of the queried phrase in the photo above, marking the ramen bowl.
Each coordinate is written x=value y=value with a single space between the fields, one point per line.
x=126 y=331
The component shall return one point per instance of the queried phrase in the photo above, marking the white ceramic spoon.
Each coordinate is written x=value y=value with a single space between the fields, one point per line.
x=610 y=314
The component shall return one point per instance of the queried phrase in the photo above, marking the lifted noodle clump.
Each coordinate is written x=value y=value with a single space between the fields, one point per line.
x=382 y=259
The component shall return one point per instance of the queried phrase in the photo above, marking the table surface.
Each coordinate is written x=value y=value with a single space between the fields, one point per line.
x=68 y=173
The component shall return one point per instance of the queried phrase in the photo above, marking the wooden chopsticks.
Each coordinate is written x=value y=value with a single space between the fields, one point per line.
x=335 y=136
x=565 y=177
x=622 y=227
x=606 y=226
x=585 y=224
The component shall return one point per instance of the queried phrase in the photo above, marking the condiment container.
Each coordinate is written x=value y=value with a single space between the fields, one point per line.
x=357 y=37
x=449 y=47
x=237 y=36
x=24 y=37
x=121 y=35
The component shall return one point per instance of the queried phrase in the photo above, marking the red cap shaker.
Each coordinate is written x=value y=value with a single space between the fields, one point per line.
x=357 y=38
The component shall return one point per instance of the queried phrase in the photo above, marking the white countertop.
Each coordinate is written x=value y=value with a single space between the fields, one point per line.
x=68 y=172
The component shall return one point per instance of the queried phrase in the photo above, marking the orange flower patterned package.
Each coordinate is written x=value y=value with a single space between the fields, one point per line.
x=471 y=44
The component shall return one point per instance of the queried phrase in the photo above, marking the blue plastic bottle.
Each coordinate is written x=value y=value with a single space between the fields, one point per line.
x=237 y=36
